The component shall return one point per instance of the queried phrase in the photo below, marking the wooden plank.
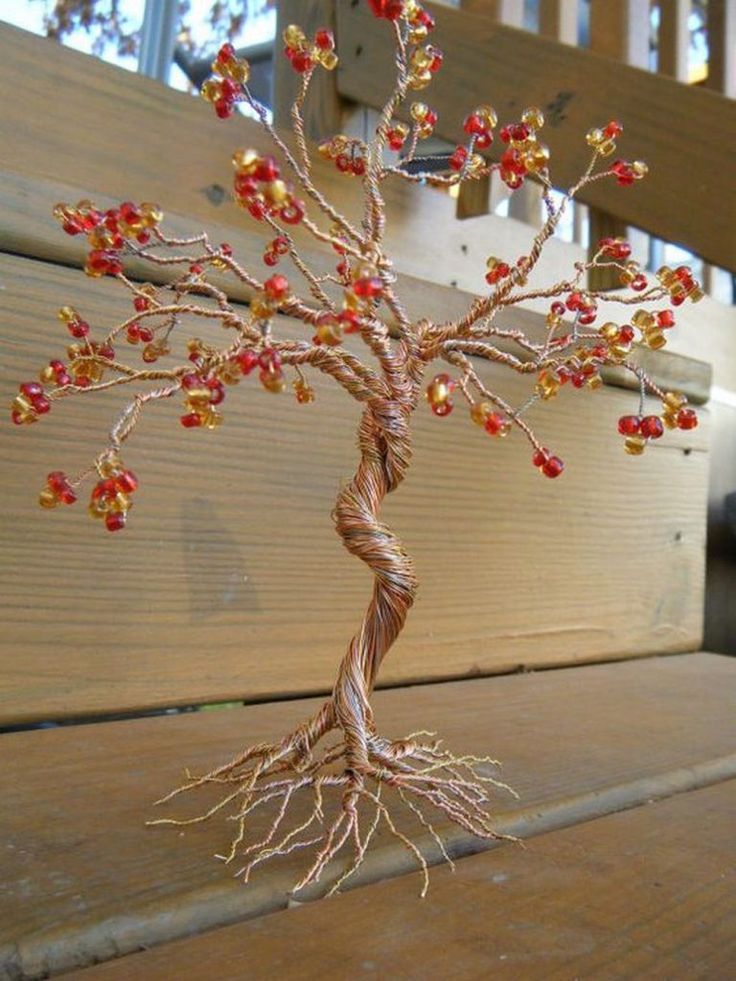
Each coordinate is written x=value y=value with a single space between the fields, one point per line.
x=646 y=893
x=83 y=880
x=323 y=112
x=221 y=555
x=722 y=47
x=558 y=19
x=664 y=122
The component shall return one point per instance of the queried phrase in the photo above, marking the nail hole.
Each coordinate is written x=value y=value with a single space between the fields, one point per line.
x=359 y=51
x=678 y=536
x=464 y=249
x=453 y=282
x=215 y=193
x=687 y=451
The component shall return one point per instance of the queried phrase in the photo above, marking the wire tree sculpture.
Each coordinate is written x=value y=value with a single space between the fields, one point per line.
x=358 y=765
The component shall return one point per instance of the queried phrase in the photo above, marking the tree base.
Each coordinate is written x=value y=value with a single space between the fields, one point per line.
x=417 y=769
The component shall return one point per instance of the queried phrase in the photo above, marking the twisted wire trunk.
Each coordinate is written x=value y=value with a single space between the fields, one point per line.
x=385 y=444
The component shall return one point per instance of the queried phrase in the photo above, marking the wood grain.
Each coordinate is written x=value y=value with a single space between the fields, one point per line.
x=83 y=880
x=230 y=583
x=579 y=89
x=647 y=893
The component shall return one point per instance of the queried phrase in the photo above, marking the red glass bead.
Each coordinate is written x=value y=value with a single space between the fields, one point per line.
x=301 y=61
x=540 y=457
x=41 y=405
x=442 y=408
x=665 y=319
x=269 y=359
x=191 y=420
x=483 y=140
x=553 y=467
x=277 y=287
x=639 y=283
x=270 y=258
x=226 y=53
x=389 y=9
x=475 y=124
x=613 y=129
x=627 y=334
x=141 y=303
x=31 y=389
x=342 y=162
x=358 y=167
x=458 y=158
x=495 y=423
x=324 y=39
x=145 y=334
x=267 y=169
x=687 y=419
x=127 y=481
x=115 y=520
x=557 y=308
x=651 y=427
x=629 y=425
x=224 y=108
x=247 y=360
x=293 y=212
x=78 y=328
x=226 y=249
x=368 y=287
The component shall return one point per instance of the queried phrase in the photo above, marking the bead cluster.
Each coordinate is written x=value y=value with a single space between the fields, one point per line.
x=680 y=284
x=57 y=491
x=546 y=463
x=108 y=231
x=260 y=189
x=524 y=153
x=304 y=54
x=223 y=92
x=278 y=247
x=495 y=423
x=425 y=119
x=267 y=301
x=30 y=403
x=110 y=499
x=347 y=154
x=480 y=125
x=638 y=430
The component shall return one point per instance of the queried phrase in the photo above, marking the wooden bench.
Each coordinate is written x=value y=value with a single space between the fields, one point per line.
x=197 y=605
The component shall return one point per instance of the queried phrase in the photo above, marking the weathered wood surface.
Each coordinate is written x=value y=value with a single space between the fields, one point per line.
x=648 y=893
x=83 y=880
x=230 y=583
x=673 y=127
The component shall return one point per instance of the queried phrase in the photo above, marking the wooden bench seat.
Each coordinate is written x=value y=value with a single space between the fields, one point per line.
x=84 y=880
x=647 y=893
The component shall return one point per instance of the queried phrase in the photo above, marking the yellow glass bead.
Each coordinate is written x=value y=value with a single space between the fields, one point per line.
x=438 y=392
x=273 y=381
x=261 y=307
x=480 y=411
x=669 y=419
x=97 y=509
x=417 y=34
x=548 y=384
x=245 y=160
x=609 y=330
x=533 y=117
x=229 y=373
x=635 y=445
x=643 y=319
x=211 y=419
x=639 y=169
x=151 y=213
x=424 y=130
x=276 y=191
x=492 y=261
x=122 y=502
x=673 y=401
x=421 y=59
x=538 y=158
x=293 y=36
x=594 y=382
x=68 y=314
x=418 y=111
x=654 y=338
x=328 y=60
x=696 y=294
x=329 y=332
x=419 y=80
x=489 y=114
x=240 y=72
x=47 y=374
x=210 y=90
x=304 y=392
x=665 y=275
x=605 y=148
x=553 y=321
x=325 y=149
x=47 y=498
x=594 y=137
